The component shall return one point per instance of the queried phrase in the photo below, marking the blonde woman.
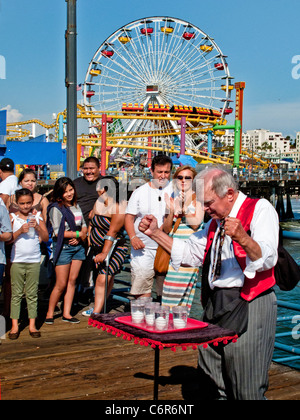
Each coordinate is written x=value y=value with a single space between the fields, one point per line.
x=179 y=286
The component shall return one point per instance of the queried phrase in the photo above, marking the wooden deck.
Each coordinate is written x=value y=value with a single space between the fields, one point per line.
x=80 y=362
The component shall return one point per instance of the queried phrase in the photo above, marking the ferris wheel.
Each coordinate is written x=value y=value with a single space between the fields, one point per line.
x=158 y=64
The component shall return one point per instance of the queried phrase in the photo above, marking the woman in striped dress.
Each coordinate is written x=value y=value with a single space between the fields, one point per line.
x=106 y=237
x=179 y=286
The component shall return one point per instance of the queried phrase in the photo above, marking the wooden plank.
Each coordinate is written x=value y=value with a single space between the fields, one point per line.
x=79 y=362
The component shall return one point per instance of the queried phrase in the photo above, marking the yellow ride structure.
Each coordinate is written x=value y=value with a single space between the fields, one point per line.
x=196 y=124
x=154 y=140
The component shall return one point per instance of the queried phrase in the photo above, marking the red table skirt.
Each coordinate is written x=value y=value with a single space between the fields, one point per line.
x=212 y=334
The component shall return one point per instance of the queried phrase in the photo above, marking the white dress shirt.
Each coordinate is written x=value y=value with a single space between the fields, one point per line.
x=264 y=230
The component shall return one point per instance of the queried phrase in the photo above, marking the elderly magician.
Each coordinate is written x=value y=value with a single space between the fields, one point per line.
x=237 y=250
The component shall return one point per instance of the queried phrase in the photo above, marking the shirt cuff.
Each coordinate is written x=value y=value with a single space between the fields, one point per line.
x=252 y=267
x=266 y=262
x=177 y=253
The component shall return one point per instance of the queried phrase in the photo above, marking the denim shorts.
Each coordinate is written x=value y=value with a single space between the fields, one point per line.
x=69 y=253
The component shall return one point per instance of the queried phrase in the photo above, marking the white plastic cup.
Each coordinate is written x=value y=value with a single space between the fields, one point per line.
x=162 y=314
x=150 y=313
x=180 y=316
x=144 y=299
x=31 y=231
x=137 y=312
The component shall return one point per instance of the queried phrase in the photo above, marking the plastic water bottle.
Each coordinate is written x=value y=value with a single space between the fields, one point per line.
x=31 y=231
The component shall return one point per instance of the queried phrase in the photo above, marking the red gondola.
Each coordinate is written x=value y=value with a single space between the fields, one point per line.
x=90 y=93
x=146 y=31
x=220 y=66
x=107 y=53
x=228 y=111
x=188 y=35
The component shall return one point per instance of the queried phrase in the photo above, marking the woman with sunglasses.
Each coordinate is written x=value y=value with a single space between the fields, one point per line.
x=179 y=286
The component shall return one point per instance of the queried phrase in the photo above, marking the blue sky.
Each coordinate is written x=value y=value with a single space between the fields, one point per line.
x=260 y=37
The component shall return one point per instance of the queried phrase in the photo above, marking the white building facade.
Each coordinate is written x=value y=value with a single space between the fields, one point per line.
x=268 y=144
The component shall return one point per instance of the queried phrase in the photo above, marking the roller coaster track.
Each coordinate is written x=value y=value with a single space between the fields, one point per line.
x=39 y=122
x=15 y=127
x=135 y=140
x=263 y=162
x=140 y=139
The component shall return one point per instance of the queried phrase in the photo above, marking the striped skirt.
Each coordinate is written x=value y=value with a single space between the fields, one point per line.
x=100 y=225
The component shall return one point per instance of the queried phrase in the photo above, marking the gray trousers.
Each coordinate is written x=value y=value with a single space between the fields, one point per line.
x=239 y=370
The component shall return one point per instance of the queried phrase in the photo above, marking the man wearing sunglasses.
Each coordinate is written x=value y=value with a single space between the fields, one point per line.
x=147 y=199
x=238 y=252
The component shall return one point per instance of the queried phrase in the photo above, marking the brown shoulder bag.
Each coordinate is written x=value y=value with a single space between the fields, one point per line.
x=162 y=257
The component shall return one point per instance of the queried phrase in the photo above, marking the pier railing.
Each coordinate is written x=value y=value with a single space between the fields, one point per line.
x=293 y=352
x=265 y=175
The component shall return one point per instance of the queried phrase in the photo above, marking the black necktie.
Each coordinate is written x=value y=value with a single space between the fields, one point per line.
x=220 y=239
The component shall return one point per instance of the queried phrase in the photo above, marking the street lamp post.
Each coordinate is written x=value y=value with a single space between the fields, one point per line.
x=71 y=85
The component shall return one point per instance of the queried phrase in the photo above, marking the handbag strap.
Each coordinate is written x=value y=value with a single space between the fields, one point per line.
x=177 y=223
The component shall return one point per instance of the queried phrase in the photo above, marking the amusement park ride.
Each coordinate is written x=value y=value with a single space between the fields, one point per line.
x=156 y=84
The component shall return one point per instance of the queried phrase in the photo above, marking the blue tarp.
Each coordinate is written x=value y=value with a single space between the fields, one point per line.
x=38 y=139
x=175 y=160
x=188 y=160
x=35 y=153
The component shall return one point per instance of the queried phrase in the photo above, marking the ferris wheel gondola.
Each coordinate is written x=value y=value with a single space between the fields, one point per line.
x=157 y=63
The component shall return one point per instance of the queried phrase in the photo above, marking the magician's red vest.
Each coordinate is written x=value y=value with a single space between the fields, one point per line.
x=263 y=280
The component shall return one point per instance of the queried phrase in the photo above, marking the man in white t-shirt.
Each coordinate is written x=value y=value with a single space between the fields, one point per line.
x=9 y=182
x=147 y=199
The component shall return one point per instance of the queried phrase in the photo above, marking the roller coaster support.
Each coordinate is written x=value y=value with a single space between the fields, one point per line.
x=149 y=153
x=209 y=142
x=105 y=120
x=239 y=101
x=182 y=123
x=61 y=128
x=103 y=145
x=237 y=139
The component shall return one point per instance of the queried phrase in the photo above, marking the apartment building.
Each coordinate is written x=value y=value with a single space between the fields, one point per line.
x=270 y=144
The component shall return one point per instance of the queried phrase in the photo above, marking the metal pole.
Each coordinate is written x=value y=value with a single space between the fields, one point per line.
x=156 y=373
x=71 y=85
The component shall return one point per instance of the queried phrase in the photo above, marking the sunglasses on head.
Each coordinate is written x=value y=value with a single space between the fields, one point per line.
x=180 y=177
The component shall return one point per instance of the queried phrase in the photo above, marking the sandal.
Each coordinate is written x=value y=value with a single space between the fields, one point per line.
x=35 y=334
x=13 y=336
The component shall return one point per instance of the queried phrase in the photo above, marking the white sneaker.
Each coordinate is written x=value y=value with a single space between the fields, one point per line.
x=88 y=312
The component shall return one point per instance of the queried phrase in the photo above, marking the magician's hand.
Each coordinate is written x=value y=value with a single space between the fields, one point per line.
x=148 y=225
